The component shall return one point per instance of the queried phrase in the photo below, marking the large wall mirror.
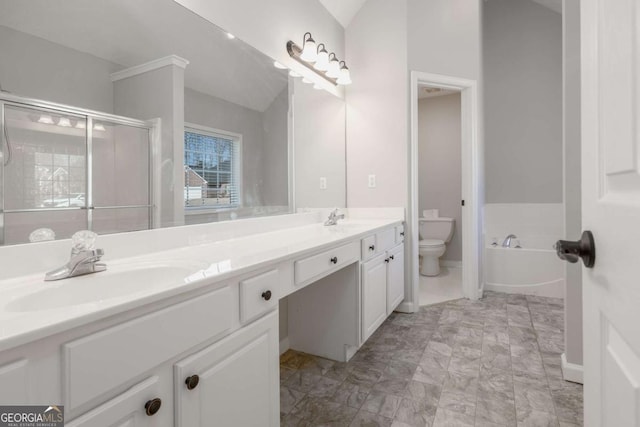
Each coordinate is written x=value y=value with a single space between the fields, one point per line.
x=125 y=115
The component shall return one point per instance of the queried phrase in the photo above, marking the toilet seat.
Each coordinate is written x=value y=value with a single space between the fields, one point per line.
x=431 y=243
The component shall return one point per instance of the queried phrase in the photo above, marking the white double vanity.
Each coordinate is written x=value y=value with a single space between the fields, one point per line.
x=182 y=328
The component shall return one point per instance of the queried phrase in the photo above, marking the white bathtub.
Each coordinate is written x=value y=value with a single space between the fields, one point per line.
x=534 y=269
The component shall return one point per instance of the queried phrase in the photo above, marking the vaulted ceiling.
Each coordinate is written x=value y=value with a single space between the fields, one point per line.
x=345 y=10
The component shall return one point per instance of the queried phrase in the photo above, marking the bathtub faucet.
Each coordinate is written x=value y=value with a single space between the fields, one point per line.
x=507 y=240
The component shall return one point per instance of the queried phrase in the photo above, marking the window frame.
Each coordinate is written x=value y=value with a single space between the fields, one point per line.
x=216 y=133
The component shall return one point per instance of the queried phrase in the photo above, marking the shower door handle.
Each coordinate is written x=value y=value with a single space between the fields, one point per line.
x=584 y=248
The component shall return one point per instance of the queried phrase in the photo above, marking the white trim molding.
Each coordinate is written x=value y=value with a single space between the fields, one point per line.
x=450 y=263
x=571 y=371
x=284 y=345
x=149 y=66
x=472 y=183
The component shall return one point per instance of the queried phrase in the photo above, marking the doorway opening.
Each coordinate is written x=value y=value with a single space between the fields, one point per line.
x=470 y=189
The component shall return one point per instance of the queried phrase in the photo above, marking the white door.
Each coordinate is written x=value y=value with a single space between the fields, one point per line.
x=395 y=278
x=374 y=294
x=238 y=380
x=611 y=209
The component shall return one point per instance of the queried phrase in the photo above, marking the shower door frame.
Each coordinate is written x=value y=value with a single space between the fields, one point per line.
x=10 y=100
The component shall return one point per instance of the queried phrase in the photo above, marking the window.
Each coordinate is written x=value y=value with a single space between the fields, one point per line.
x=211 y=168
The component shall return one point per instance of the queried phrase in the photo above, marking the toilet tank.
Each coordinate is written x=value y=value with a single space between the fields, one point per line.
x=440 y=228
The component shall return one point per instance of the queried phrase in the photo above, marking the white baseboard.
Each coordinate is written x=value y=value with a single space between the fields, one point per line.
x=406 y=307
x=284 y=345
x=571 y=371
x=450 y=263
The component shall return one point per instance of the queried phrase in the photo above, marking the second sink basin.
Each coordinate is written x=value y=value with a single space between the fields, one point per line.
x=120 y=280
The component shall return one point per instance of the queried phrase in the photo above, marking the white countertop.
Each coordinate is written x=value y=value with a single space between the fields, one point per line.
x=31 y=309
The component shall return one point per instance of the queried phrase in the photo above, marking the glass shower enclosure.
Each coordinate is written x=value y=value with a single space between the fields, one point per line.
x=69 y=169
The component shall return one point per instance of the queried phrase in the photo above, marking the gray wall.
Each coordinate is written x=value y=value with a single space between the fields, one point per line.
x=439 y=159
x=34 y=67
x=206 y=110
x=523 y=102
x=160 y=94
x=319 y=147
x=572 y=183
x=275 y=126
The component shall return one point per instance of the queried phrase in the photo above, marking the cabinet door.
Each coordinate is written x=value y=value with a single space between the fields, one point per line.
x=374 y=295
x=237 y=383
x=395 y=278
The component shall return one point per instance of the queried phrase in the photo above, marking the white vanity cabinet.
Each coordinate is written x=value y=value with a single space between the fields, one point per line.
x=382 y=280
x=234 y=382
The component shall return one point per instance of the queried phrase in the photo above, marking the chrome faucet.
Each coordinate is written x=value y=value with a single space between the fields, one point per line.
x=507 y=241
x=84 y=258
x=333 y=217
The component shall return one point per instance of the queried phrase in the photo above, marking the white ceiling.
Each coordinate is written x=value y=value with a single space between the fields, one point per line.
x=343 y=10
x=131 y=33
x=555 y=5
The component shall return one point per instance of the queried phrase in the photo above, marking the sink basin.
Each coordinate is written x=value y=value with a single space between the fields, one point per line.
x=120 y=280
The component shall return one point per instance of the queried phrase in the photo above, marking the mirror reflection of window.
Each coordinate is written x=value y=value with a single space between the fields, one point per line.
x=211 y=168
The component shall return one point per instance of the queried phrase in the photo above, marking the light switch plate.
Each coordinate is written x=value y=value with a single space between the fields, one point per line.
x=323 y=183
x=372 y=181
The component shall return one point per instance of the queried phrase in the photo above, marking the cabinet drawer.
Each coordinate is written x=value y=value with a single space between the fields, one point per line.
x=258 y=294
x=399 y=234
x=325 y=262
x=368 y=247
x=126 y=409
x=98 y=363
x=385 y=240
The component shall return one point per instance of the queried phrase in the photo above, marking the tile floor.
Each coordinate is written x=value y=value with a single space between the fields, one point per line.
x=446 y=286
x=493 y=362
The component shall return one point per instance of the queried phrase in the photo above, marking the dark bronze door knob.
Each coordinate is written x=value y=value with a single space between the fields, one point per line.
x=584 y=248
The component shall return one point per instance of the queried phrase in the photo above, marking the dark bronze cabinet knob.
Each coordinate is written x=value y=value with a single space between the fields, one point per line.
x=192 y=382
x=392 y=257
x=372 y=247
x=152 y=406
x=386 y=260
x=266 y=295
x=334 y=260
x=402 y=233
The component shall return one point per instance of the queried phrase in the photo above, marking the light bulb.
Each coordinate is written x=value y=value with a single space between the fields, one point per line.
x=317 y=86
x=322 y=60
x=309 y=50
x=46 y=119
x=230 y=36
x=345 y=75
x=306 y=80
x=334 y=68
x=294 y=74
x=99 y=126
x=279 y=65
x=80 y=124
x=64 y=122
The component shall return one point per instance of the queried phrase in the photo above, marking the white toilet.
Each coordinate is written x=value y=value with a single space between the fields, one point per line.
x=435 y=233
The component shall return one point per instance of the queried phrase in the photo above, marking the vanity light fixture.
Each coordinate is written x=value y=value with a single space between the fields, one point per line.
x=279 y=65
x=345 y=75
x=309 y=49
x=46 y=119
x=294 y=74
x=322 y=59
x=334 y=67
x=317 y=59
x=64 y=122
x=99 y=126
x=80 y=124
x=306 y=80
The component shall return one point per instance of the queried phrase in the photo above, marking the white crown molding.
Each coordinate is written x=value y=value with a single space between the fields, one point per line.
x=149 y=66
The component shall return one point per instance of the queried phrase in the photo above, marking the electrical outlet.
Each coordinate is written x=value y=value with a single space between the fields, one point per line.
x=323 y=183
x=372 y=181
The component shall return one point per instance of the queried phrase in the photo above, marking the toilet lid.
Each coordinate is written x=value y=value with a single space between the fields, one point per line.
x=431 y=242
